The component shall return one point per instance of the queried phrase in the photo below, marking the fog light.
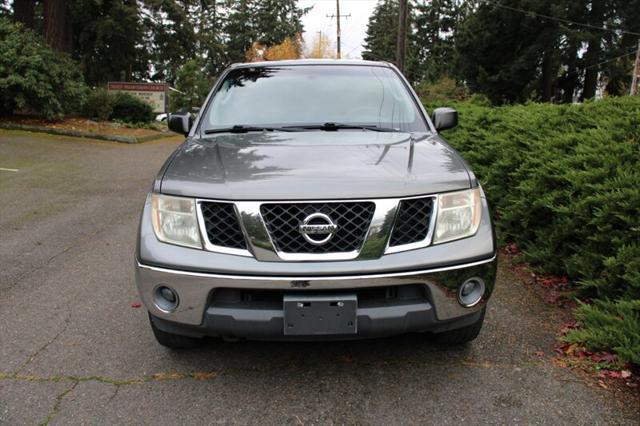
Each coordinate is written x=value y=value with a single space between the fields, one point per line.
x=168 y=294
x=165 y=298
x=471 y=292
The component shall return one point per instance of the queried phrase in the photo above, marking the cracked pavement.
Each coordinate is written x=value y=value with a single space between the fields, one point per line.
x=74 y=351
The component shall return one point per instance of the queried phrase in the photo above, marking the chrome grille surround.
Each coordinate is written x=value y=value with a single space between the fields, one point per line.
x=352 y=219
x=262 y=245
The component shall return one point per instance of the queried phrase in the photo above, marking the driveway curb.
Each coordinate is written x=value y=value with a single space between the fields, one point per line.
x=81 y=134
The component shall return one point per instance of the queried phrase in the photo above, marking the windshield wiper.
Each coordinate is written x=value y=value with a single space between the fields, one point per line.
x=332 y=127
x=240 y=128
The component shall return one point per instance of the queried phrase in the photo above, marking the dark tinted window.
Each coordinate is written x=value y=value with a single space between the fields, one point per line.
x=314 y=94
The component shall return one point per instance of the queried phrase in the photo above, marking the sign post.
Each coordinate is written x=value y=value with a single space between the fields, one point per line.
x=155 y=94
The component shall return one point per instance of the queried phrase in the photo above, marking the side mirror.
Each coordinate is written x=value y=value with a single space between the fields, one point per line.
x=180 y=122
x=445 y=118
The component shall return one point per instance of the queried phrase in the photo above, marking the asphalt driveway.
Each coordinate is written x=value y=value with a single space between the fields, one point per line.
x=74 y=351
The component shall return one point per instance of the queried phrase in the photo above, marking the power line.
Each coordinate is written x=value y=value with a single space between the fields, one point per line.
x=611 y=60
x=629 y=53
x=554 y=18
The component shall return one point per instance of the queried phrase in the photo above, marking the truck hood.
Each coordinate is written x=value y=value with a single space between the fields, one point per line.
x=313 y=165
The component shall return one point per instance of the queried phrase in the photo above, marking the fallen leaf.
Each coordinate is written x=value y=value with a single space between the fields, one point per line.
x=167 y=376
x=136 y=305
x=552 y=297
x=205 y=376
x=603 y=357
x=572 y=349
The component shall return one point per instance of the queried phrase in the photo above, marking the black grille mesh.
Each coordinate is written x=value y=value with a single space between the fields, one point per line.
x=222 y=225
x=412 y=221
x=352 y=218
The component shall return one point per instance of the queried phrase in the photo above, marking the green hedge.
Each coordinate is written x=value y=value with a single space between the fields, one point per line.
x=130 y=109
x=99 y=104
x=119 y=106
x=564 y=185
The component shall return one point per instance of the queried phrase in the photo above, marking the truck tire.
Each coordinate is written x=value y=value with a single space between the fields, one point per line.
x=462 y=335
x=174 y=341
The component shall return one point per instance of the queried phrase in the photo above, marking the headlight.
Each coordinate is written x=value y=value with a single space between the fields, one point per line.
x=458 y=215
x=175 y=221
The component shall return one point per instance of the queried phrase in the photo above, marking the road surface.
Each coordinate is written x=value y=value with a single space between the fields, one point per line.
x=73 y=350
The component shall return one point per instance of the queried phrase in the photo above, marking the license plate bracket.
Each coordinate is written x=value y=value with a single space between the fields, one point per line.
x=318 y=315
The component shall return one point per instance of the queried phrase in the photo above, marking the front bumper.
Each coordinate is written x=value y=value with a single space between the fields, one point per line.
x=198 y=315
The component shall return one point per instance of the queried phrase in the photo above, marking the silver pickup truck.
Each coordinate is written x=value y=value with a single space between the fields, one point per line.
x=313 y=200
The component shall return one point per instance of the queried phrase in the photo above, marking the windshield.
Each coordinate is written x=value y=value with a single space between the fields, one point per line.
x=307 y=95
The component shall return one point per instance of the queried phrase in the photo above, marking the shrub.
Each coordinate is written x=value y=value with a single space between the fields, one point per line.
x=563 y=181
x=99 y=104
x=608 y=324
x=130 y=109
x=445 y=89
x=34 y=77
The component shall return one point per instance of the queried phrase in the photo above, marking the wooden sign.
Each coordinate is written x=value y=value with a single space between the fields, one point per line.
x=155 y=94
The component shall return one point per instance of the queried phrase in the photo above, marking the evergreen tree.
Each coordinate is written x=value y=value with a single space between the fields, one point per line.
x=623 y=45
x=382 y=32
x=210 y=37
x=192 y=84
x=172 y=35
x=435 y=26
x=108 y=40
x=267 y=22
x=240 y=27
x=382 y=37
x=277 y=20
x=508 y=55
x=152 y=39
x=511 y=55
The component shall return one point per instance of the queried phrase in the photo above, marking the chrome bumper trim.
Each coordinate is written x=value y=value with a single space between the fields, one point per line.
x=194 y=288
x=314 y=278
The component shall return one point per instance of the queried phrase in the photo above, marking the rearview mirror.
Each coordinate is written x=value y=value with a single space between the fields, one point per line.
x=445 y=118
x=180 y=122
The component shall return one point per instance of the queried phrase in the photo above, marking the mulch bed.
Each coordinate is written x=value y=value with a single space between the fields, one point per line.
x=83 y=127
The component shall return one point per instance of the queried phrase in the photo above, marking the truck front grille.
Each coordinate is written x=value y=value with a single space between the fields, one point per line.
x=368 y=297
x=412 y=222
x=222 y=225
x=352 y=219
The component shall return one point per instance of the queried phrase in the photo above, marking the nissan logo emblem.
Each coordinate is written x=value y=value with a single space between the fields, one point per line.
x=318 y=229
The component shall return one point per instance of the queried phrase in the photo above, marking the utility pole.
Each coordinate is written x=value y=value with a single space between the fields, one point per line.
x=319 y=53
x=338 y=16
x=401 y=46
x=636 y=71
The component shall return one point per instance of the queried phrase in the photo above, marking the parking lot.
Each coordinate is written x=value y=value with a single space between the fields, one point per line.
x=74 y=349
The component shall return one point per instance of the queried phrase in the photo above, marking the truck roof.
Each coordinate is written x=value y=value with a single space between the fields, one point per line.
x=291 y=62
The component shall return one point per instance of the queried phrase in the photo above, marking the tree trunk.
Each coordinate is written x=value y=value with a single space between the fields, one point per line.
x=548 y=76
x=594 y=52
x=57 y=25
x=591 y=73
x=24 y=11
